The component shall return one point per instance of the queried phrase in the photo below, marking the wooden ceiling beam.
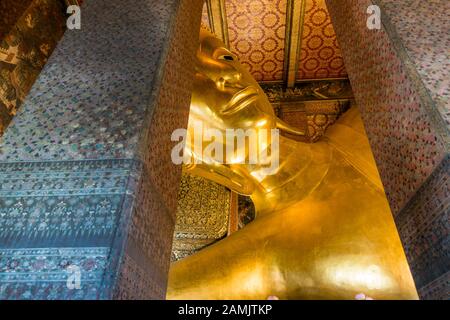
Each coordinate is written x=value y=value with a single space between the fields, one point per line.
x=294 y=30
x=218 y=19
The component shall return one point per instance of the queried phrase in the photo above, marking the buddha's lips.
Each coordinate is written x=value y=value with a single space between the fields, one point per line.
x=241 y=99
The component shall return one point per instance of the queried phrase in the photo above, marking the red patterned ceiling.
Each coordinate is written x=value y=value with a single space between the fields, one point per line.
x=320 y=56
x=256 y=30
x=257 y=35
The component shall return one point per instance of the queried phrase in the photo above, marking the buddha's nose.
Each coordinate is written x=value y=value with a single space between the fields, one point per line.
x=232 y=79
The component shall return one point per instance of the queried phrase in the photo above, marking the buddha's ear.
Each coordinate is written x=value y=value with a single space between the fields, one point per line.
x=287 y=128
x=223 y=175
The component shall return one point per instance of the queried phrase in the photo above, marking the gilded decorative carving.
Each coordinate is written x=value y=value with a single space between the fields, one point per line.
x=321 y=115
x=306 y=91
x=246 y=211
x=202 y=215
x=313 y=117
x=310 y=106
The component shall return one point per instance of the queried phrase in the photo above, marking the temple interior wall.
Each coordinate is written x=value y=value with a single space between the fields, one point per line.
x=401 y=99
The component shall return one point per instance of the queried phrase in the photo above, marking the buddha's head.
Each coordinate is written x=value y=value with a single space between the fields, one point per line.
x=225 y=94
x=227 y=98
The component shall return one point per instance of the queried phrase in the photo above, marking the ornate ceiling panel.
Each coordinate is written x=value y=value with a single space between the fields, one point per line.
x=320 y=56
x=279 y=40
x=256 y=30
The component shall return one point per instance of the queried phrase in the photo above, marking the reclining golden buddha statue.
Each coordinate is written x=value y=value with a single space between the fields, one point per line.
x=323 y=228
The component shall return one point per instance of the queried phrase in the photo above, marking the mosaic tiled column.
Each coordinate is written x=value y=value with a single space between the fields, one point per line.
x=86 y=179
x=398 y=75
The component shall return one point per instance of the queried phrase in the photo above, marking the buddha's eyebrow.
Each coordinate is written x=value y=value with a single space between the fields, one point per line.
x=206 y=50
x=222 y=50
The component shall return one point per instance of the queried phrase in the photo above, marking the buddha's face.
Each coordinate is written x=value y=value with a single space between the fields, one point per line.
x=225 y=95
x=225 y=99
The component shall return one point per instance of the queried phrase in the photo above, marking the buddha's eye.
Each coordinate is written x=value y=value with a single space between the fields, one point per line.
x=227 y=57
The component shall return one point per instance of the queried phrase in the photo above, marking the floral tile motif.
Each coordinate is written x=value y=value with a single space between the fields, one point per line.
x=37 y=273
x=46 y=208
x=320 y=55
x=257 y=34
x=423 y=28
x=86 y=161
x=406 y=144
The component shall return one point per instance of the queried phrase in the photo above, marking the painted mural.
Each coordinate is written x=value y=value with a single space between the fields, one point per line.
x=11 y=10
x=24 y=50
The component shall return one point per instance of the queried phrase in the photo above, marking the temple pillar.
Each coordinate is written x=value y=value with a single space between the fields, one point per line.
x=399 y=76
x=87 y=185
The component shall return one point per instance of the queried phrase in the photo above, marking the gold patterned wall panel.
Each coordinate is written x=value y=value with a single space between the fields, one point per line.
x=320 y=56
x=310 y=106
x=202 y=215
x=256 y=30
